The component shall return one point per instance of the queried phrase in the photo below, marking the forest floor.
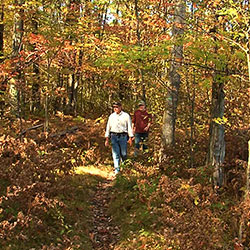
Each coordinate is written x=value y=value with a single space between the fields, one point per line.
x=57 y=192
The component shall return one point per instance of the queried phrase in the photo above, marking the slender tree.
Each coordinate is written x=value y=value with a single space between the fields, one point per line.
x=1 y=31
x=35 y=104
x=17 y=46
x=169 y=116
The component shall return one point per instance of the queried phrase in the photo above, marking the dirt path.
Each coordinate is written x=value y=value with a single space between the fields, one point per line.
x=104 y=234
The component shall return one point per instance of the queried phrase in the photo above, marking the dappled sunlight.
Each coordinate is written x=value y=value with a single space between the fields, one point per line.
x=94 y=170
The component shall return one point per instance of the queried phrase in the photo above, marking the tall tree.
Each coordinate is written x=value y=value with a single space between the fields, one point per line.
x=35 y=104
x=1 y=31
x=17 y=46
x=169 y=116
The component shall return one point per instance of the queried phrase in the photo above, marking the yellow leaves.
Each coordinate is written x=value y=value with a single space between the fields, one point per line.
x=191 y=191
x=185 y=186
x=220 y=18
x=60 y=114
x=196 y=200
x=237 y=111
x=64 y=10
x=60 y=91
x=100 y=120
x=12 y=81
x=216 y=2
x=73 y=161
x=221 y=121
x=88 y=45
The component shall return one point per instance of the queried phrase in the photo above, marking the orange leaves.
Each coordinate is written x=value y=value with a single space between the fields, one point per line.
x=154 y=21
x=37 y=38
x=60 y=91
x=179 y=25
x=185 y=45
x=165 y=37
x=109 y=85
x=68 y=46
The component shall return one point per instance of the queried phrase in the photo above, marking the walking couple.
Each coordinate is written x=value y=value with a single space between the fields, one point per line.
x=122 y=130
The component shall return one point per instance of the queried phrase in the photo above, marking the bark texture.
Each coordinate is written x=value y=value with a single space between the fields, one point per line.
x=169 y=116
x=216 y=153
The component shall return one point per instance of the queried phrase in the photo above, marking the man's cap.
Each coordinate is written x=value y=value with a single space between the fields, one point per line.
x=117 y=103
x=141 y=103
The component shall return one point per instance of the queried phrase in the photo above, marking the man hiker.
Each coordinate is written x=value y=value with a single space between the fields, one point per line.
x=119 y=131
x=141 y=123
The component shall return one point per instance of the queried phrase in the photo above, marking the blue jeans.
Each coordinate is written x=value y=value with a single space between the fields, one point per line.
x=119 y=149
x=141 y=139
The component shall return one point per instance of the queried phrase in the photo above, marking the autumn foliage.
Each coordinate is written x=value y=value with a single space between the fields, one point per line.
x=63 y=63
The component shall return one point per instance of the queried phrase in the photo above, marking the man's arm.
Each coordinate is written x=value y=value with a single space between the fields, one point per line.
x=106 y=141
x=107 y=133
x=149 y=122
x=133 y=122
x=129 y=126
x=130 y=130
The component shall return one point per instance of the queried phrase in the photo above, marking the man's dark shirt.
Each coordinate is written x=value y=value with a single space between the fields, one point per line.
x=141 y=120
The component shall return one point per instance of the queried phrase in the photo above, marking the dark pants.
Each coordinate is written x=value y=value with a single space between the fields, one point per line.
x=141 y=139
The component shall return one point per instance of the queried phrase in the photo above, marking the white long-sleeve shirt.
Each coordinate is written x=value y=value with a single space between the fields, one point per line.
x=119 y=123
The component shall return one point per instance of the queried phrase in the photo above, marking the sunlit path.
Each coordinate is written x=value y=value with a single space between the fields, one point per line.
x=94 y=170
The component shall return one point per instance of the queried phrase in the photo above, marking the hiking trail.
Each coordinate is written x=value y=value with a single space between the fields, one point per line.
x=104 y=234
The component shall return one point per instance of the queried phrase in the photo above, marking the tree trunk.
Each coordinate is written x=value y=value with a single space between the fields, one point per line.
x=1 y=32
x=138 y=34
x=35 y=104
x=2 y=84
x=16 y=48
x=191 y=97
x=18 y=28
x=46 y=103
x=216 y=151
x=248 y=169
x=169 y=116
x=73 y=88
x=46 y=124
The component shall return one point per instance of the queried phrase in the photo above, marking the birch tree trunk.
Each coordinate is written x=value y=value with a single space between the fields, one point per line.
x=169 y=116
x=16 y=48
x=18 y=28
